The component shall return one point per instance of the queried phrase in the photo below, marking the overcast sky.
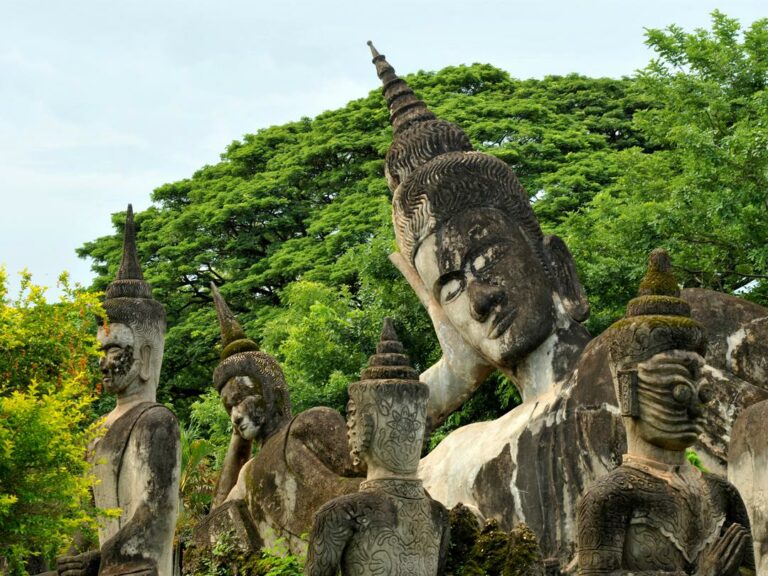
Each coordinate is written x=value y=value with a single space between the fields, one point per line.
x=101 y=102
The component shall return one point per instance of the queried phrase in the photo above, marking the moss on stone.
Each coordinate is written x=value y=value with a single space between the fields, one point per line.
x=491 y=551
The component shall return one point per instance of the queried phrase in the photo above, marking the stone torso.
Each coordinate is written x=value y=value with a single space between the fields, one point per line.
x=677 y=514
x=128 y=464
x=299 y=468
x=391 y=527
x=645 y=517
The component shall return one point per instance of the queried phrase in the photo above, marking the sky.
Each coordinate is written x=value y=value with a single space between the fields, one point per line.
x=101 y=102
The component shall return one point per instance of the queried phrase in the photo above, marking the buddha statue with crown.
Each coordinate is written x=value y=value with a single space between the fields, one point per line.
x=391 y=526
x=503 y=296
x=656 y=513
x=136 y=461
x=303 y=461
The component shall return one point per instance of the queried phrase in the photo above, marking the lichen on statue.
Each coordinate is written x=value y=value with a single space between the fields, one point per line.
x=503 y=296
x=136 y=461
x=303 y=461
x=657 y=513
x=391 y=526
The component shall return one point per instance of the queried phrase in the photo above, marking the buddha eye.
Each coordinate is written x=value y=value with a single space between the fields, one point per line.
x=451 y=288
x=486 y=259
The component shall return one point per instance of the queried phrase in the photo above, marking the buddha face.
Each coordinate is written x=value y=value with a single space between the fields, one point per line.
x=671 y=396
x=247 y=409
x=124 y=364
x=490 y=284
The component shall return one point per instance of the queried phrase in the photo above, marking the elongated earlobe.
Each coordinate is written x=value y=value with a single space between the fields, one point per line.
x=146 y=358
x=567 y=281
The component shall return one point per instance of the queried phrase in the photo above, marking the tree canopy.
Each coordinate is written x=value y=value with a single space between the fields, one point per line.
x=294 y=222
x=48 y=377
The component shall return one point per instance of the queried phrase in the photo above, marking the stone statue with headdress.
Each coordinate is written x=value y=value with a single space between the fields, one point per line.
x=656 y=513
x=391 y=526
x=504 y=296
x=303 y=461
x=137 y=460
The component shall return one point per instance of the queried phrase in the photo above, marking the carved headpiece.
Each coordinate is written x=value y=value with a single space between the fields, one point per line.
x=434 y=173
x=242 y=357
x=128 y=298
x=391 y=404
x=657 y=320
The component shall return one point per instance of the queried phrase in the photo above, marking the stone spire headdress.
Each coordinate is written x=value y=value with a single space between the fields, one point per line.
x=389 y=389
x=128 y=299
x=242 y=357
x=434 y=173
x=657 y=320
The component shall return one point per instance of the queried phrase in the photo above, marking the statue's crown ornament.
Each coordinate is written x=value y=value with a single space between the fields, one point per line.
x=128 y=298
x=391 y=402
x=233 y=338
x=434 y=173
x=242 y=357
x=657 y=320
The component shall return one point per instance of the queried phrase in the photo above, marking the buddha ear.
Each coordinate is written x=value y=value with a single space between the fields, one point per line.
x=566 y=279
x=145 y=354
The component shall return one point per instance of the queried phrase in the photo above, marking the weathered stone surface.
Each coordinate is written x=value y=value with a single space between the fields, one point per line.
x=748 y=471
x=303 y=461
x=656 y=513
x=391 y=526
x=501 y=295
x=136 y=461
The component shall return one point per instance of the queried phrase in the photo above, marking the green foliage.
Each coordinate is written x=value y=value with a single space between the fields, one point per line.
x=47 y=379
x=197 y=479
x=491 y=551
x=698 y=186
x=224 y=559
x=294 y=223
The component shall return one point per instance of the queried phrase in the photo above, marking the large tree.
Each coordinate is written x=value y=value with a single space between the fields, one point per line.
x=699 y=186
x=294 y=222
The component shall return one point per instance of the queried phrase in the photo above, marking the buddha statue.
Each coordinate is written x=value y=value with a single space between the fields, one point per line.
x=303 y=461
x=656 y=513
x=391 y=526
x=137 y=460
x=504 y=296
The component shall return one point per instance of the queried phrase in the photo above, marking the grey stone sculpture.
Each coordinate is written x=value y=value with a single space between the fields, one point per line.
x=137 y=459
x=748 y=471
x=303 y=461
x=391 y=526
x=503 y=296
x=657 y=513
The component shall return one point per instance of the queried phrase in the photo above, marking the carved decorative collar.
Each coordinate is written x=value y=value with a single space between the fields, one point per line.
x=399 y=487
x=673 y=474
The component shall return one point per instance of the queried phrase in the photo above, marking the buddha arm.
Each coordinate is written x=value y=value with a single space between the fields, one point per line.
x=238 y=453
x=144 y=537
x=333 y=528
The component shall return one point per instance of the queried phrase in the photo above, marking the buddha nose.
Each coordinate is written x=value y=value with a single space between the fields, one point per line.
x=484 y=298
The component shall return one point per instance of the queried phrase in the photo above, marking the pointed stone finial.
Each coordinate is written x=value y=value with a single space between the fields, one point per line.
x=130 y=269
x=659 y=293
x=233 y=336
x=404 y=108
x=390 y=361
x=659 y=279
x=129 y=281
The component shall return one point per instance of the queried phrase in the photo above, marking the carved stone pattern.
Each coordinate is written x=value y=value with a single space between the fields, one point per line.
x=454 y=183
x=405 y=428
x=374 y=533
x=634 y=520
